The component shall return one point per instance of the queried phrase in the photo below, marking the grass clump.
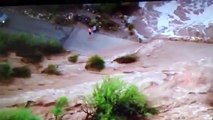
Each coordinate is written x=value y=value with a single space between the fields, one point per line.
x=52 y=70
x=57 y=110
x=73 y=58
x=23 y=72
x=130 y=58
x=116 y=100
x=17 y=114
x=95 y=63
x=5 y=70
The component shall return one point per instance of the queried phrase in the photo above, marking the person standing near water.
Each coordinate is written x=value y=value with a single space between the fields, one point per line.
x=90 y=31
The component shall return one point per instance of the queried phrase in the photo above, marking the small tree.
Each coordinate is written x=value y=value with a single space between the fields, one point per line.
x=57 y=110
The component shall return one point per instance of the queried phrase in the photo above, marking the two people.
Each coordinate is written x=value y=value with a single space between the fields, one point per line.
x=93 y=30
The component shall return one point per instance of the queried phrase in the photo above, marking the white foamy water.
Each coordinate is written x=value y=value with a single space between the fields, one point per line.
x=165 y=22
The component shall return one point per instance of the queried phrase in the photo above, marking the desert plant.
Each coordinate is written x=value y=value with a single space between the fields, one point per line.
x=17 y=114
x=3 y=48
x=73 y=58
x=95 y=63
x=22 y=72
x=23 y=43
x=51 y=69
x=34 y=57
x=51 y=47
x=116 y=100
x=57 y=110
x=130 y=58
x=5 y=70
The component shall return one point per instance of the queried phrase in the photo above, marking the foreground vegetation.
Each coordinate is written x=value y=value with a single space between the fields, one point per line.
x=116 y=100
x=17 y=114
x=58 y=109
x=32 y=48
x=7 y=71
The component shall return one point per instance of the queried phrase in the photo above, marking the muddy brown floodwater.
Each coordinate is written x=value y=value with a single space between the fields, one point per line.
x=175 y=76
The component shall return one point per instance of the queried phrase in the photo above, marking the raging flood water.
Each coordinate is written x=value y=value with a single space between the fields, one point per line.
x=177 y=82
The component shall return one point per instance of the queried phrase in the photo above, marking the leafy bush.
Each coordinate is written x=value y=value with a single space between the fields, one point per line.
x=5 y=70
x=116 y=100
x=51 y=69
x=17 y=114
x=130 y=58
x=95 y=63
x=34 y=57
x=23 y=72
x=73 y=58
x=3 y=47
x=57 y=110
x=51 y=47
x=25 y=45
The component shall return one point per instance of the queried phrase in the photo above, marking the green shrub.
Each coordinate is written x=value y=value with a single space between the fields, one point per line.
x=3 y=48
x=116 y=100
x=57 y=110
x=95 y=63
x=73 y=58
x=5 y=70
x=23 y=43
x=131 y=27
x=51 y=47
x=23 y=72
x=34 y=57
x=17 y=114
x=51 y=69
x=3 y=39
x=130 y=58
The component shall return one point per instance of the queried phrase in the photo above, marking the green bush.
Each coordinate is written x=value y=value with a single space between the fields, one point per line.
x=130 y=58
x=34 y=57
x=23 y=72
x=57 y=110
x=73 y=58
x=5 y=70
x=4 y=37
x=51 y=47
x=116 y=100
x=25 y=44
x=17 y=114
x=51 y=69
x=3 y=48
x=95 y=63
